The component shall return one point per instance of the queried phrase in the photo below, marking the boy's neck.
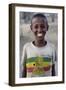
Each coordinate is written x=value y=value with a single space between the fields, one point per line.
x=39 y=43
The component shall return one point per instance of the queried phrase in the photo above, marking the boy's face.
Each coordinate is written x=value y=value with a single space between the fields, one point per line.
x=39 y=27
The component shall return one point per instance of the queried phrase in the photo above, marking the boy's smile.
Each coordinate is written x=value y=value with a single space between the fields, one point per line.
x=39 y=34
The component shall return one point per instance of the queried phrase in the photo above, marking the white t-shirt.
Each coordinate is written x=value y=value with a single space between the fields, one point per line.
x=38 y=60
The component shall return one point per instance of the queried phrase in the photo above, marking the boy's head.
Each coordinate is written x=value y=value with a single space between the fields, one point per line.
x=39 y=26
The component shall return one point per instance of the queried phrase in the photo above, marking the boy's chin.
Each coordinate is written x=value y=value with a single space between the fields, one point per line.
x=40 y=39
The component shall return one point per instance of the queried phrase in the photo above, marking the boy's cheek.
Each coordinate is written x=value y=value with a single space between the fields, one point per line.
x=34 y=30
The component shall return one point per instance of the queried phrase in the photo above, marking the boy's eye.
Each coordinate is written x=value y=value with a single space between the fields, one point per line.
x=36 y=27
x=42 y=26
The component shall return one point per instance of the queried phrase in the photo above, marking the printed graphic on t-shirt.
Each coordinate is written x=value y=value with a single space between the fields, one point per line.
x=38 y=65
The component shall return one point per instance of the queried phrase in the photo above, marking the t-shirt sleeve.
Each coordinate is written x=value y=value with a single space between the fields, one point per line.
x=23 y=61
x=55 y=60
x=54 y=55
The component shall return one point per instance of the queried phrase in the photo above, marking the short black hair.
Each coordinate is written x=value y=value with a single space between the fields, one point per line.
x=39 y=15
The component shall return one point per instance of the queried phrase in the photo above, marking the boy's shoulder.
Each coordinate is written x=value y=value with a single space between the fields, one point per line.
x=30 y=45
x=51 y=45
x=27 y=44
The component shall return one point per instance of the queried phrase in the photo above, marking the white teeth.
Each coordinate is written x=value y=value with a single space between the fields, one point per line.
x=39 y=34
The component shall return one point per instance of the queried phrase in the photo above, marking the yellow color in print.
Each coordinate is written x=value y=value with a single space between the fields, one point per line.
x=41 y=64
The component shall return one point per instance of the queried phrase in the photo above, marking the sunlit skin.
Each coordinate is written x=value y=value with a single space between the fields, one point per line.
x=39 y=27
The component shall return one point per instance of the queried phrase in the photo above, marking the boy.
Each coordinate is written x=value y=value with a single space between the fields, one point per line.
x=38 y=59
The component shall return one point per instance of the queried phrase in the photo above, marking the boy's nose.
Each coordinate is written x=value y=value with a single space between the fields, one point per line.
x=39 y=29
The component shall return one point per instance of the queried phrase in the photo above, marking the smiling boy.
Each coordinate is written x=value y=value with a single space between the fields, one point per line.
x=38 y=57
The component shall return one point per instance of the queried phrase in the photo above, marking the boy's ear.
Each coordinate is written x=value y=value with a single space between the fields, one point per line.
x=47 y=27
x=31 y=27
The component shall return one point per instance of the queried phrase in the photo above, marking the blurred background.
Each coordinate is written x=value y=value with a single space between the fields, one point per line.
x=26 y=34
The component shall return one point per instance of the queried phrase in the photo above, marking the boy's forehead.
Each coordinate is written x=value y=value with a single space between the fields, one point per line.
x=39 y=20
